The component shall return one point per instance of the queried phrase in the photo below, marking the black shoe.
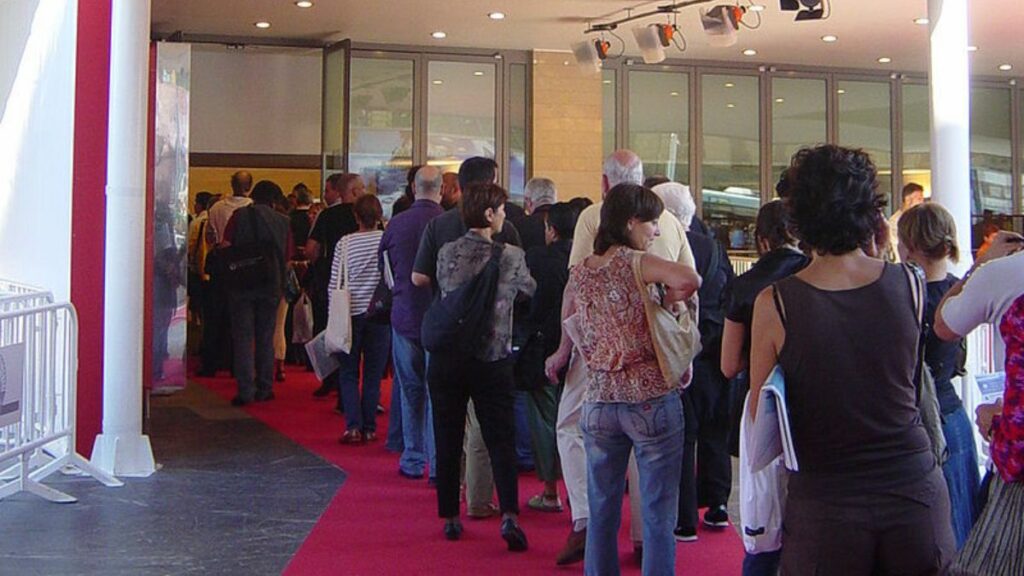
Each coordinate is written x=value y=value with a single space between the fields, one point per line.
x=685 y=534
x=452 y=530
x=204 y=373
x=574 y=550
x=239 y=401
x=513 y=535
x=324 y=390
x=265 y=396
x=638 y=554
x=716 y=517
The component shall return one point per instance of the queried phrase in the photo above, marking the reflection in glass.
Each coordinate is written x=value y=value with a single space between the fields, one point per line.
x=608 y=105
x=916 y=141
x=731 y=149
x=991 y=156
x=865 y=122
x=380 y=125
x=460 y=113
x=517 y=132
x=659 y=123
x=333 y=132
x=798 y=118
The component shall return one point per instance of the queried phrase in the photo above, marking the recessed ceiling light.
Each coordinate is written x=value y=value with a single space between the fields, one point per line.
x=439 y=35
x=729 y=85
x=884 y=60
x=607 y=81
x=756 y=7
x=780 y=100
x=565 y=62
x=840 y=91
x=829 y=38
x=972 y=48
x=262 y=25
x=921 y=21
x=496 y=15
x=478 y=73
x=437 y=82
x=673 y=93
x=304 y=4
x=750 y=52
x=730 y=105
x=1006 y=67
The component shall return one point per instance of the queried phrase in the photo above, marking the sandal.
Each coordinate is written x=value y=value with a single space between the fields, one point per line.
x=351 y=437
x=545 y=503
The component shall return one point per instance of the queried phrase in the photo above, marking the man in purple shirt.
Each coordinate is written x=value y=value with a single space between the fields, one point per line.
x=401 y=241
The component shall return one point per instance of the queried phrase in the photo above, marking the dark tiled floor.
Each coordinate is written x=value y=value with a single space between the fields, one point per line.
x=232 y=497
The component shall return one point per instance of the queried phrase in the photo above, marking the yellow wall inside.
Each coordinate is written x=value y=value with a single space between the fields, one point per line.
x=218 y=180
x=566 y=125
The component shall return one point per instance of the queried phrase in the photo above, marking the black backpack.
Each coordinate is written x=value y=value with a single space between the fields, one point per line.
x=459 y=322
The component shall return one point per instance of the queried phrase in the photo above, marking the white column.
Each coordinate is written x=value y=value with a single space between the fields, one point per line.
x=122 y=449
x=949 y=84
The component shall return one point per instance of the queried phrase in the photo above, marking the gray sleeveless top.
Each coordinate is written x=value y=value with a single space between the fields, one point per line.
x=849 y=360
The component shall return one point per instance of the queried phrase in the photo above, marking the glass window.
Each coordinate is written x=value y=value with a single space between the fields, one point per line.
x=460 y=113
x=380 y=125
x=609 y=105
x=517 y=132
x=334 y=111
x=991 y=156
x=865 y=122
x=731 y=157
x=798 y=118
x=916 y=141
x=659 y=123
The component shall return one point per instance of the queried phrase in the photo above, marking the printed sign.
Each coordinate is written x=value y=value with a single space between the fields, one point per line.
x=12 y=381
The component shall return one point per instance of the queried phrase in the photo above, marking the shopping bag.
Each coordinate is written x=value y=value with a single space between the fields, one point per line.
x=302 y=320
x=339 y=308
x=762 y=495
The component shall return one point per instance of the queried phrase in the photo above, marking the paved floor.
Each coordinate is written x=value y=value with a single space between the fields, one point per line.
x=232 y=497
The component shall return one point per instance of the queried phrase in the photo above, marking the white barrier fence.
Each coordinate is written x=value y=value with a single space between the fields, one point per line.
x=38 y=387
x=15 y=296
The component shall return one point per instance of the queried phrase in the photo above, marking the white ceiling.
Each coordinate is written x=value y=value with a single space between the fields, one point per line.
x=867 y=29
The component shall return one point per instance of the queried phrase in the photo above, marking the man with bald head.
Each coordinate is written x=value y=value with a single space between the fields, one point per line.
x=400 y=242
x=621 y=167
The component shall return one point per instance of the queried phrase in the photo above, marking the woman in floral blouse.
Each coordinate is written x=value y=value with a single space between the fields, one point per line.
x=628 y=404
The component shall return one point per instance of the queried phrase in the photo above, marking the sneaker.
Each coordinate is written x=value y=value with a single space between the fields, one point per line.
x=716 y=517
x=685 y=534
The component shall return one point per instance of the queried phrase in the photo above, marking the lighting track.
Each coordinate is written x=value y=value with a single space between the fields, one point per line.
x=666 y=9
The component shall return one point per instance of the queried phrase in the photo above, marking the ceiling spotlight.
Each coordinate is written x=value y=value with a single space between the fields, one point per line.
x=814 y=8
x=921 y=21
x=586 y=57
x=304 y=4
x=721 y=24
x=439 y=35
x=496 y=15
x=262 y=25
x=756 y=8
x=750 y=52
x=884 y=60
x=649 y=40
x=829 y=38
x=1006 y=67
x=972 y=48
x=602 y=46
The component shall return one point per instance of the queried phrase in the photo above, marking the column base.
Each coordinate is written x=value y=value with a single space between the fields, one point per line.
x=125 y=455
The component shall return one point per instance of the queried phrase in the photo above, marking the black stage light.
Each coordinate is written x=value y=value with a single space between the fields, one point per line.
x=789 y=4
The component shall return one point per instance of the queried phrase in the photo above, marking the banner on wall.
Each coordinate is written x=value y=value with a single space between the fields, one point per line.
x=12 y=381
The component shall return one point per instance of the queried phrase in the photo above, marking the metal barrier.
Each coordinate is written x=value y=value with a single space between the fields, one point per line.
x=16 y=296
x=38 y=390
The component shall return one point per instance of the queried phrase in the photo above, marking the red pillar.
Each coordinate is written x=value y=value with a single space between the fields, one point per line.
x=88 y=205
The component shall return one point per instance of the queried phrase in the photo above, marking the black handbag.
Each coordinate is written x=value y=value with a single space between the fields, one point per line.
x=248 y=267
x=459 y=322
x=379 y=310
x=529 y=359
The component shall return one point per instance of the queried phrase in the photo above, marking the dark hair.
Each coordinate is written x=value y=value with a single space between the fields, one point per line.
x=652 y=181
x=368 y=210
x=477 y=169
x=561 y=218
x=912 y=188
x=302 y=194
x=266 y=192
x=203 y=199
x=477 y=199
x=623 y=202
x=580 y=203
x=833 y=198
x=773 y=225
x=782 y=186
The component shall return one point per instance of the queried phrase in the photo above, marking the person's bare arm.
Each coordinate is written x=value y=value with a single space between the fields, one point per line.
x=767 y=337
x=680 y=281
x=734 y=360
x=420 y=280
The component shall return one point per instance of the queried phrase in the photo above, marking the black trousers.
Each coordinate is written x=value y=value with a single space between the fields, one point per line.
x=453 y=381
x=707 y=468
x=215 y=350
x=318 y=299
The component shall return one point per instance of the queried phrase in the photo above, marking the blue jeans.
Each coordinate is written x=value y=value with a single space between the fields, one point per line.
x=763 y=564
x=524 y=444
x=370 y=346
x=653 y=430
x=961 y=473
x=410 y=362
x=394 y=442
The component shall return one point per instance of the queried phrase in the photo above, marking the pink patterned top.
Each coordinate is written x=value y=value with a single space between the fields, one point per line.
x=1008 y=428
x=617 y=341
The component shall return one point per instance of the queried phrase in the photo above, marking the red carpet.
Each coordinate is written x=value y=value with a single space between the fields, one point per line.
x=382 y=524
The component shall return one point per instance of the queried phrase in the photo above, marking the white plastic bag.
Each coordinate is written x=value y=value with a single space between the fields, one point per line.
x=302 y=320
x=762 y=496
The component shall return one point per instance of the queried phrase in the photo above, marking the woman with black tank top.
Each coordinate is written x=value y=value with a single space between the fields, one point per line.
x=868 y=498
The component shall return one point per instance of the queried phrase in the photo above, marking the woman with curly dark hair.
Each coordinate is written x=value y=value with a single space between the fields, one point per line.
x=869 y=497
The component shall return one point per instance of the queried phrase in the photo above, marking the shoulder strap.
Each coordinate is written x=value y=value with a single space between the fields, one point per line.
x=915 y=279
x=779 y=306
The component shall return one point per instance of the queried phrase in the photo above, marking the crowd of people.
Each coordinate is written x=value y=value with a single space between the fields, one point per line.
x=573 y=308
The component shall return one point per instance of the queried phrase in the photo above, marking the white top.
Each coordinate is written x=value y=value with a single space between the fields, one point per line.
x=988 y=294
x=220 y=213
x=671 y=243
x=894 y=235
x=359 y=252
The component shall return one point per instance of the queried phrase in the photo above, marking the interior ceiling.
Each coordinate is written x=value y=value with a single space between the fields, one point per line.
x=867 y=29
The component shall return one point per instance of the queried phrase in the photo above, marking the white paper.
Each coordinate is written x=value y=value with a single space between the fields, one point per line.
x=770 y=435
x=324 y=363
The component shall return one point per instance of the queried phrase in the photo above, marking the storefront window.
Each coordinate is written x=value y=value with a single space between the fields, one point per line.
x=991 y=156
x=517 y=132
x=865 y=122
x=799 y=115
x=916 y=141
x=460 y=113
x=659 y=123
x=609 y=105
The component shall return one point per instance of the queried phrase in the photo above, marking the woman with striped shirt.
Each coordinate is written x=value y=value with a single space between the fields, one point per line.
x=355 y=258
